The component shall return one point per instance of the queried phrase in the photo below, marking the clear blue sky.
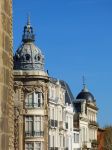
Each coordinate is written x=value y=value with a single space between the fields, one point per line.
x=76 y=38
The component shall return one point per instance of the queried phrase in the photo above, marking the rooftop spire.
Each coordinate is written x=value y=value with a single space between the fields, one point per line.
x=28 y=35
x=28 y=20
x=84 y=84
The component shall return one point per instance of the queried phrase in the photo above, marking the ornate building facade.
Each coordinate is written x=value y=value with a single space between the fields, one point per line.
x=46 y=115
x=60 y=115
x=6 y=79
x=31 y=95
x=85 y=119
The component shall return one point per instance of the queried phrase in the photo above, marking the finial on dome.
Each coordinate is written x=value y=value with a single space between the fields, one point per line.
x=28 y=19
x=83 y=79
x=84 y=85
x=28 y=35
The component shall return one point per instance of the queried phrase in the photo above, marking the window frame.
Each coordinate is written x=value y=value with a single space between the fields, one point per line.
x=36 y=101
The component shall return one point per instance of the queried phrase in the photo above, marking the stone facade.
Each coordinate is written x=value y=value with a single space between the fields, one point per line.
x=30 y=95
x=23 y=87
x=85 y=118
x=60 y=116
x=6 y=78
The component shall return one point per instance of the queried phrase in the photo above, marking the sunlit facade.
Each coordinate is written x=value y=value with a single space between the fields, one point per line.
x=46 y=115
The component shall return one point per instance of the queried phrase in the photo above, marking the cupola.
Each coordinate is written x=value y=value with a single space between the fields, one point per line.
x=85 y=94
x=28 y=56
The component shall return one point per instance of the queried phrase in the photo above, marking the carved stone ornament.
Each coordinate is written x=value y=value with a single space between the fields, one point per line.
x=32 y=89
x=18 y=83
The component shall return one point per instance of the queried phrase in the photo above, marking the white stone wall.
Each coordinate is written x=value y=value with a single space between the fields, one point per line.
x=76 y=140
x=60 y=136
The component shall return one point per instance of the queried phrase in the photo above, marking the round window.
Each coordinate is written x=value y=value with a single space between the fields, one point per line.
x=27 y=57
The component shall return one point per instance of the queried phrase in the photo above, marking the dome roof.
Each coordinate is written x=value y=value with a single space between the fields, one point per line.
x=28 y=56
x=85 y=94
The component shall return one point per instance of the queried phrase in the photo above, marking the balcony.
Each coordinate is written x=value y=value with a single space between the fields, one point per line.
x=53 y=123
x=63 y=125
x=54 y=100
x=53 y=148
x=94 y=143
x=86 y=145
x=34 y=105
x=93 y=123
x=34 y=134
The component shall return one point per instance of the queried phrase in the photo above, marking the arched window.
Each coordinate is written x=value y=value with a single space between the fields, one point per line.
x=34 y=99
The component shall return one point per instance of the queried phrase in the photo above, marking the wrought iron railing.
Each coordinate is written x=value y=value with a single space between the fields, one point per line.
x=33 y=105
x=34 y=133
x=53 y=148
x=53 y=123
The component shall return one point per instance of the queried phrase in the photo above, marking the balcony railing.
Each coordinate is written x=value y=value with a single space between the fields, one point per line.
x=86 y=144
x=53 y=148
x=63 y=125
x=34 y=133
x=33 y=105
x=53 y=123
x=55 y=100
x=93 y=123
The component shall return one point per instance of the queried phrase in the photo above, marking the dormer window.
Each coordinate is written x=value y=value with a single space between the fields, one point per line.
x=34 y=99
x=38 y=58
x=27 y=57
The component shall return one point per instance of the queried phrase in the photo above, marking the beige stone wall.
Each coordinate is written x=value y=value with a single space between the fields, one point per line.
x=6 y=90
x=22 y=86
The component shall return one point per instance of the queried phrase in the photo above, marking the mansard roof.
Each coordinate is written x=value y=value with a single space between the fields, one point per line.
x=69 y=98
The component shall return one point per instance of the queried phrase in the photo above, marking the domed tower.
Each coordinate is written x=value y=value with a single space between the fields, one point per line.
x=30 y=94
x=85 y=95
x=28 y=56
x=86 y=117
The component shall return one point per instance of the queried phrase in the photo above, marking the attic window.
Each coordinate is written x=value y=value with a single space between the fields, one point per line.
x=38 y=58
x=27 y=57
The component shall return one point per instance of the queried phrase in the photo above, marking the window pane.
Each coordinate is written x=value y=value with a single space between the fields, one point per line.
x=38 y=99
x=29 y=100
x=37 y=146
x=29 y=146
x=29 y=125
x=37 y=126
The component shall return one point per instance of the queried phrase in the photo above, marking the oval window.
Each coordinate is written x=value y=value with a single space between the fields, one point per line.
x=27 y=57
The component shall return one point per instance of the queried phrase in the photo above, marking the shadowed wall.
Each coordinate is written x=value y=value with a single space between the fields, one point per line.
x=6 y=78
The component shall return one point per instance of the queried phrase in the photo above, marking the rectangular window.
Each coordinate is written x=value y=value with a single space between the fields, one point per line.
x=53 y=140
x=33 y=146
x=34 y=100
x=29 y=146
x=76 y=138
x=37 y=146
x=38 y=99
x=29 y=100
x=33 y=126
x=83 y=132
x=29 y=125
x=37 y=125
